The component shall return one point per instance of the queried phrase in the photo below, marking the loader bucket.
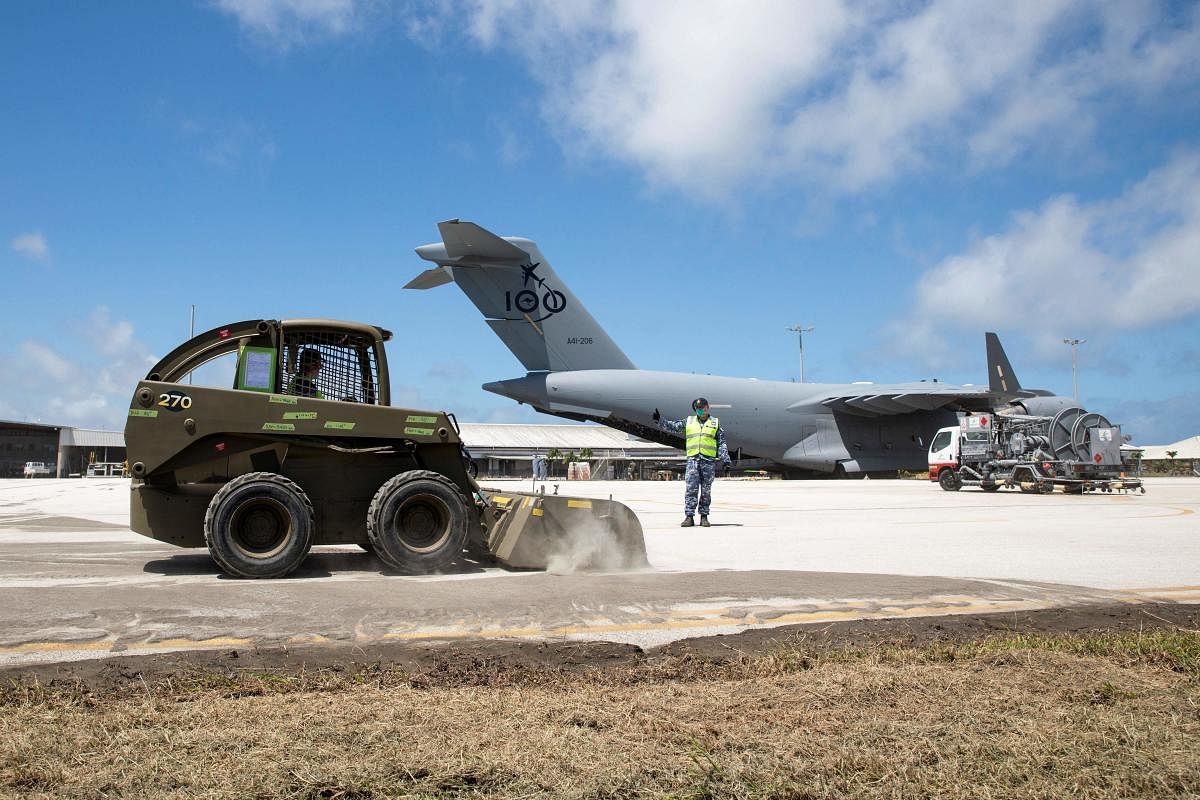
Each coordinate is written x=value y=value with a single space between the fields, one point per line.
x=563 y=534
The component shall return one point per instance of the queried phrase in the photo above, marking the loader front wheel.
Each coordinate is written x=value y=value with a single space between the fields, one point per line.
x=418 y=522
x=259 y=525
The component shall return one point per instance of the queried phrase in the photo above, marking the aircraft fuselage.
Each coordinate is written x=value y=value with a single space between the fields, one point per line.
x=788 y=423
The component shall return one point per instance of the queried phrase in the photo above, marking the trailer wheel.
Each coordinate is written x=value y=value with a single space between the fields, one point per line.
x=259 y=525
x=948 y=479
x=418 y=522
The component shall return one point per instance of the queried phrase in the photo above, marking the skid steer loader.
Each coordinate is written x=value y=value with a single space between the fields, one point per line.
x=305 y=450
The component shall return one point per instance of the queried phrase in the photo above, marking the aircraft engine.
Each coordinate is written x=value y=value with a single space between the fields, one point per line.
x=1042 y=405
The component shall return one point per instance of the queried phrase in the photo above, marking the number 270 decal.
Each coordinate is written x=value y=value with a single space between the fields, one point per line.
x=174 y=401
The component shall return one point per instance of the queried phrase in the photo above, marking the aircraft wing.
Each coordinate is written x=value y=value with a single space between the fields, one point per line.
x=882 y=404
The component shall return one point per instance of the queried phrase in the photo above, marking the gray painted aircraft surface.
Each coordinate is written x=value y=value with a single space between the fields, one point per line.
x=576 y=371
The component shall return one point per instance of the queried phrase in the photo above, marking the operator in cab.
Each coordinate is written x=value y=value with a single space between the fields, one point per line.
x=304 y=383
x=705 y=444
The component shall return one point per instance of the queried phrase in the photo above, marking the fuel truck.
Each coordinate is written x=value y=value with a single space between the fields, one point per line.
x=305 y=448
x=1074 y=449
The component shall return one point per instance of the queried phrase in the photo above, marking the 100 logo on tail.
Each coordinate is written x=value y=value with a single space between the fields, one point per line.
x=528 y=302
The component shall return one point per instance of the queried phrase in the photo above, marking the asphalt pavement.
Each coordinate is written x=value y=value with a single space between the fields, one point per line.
x=76 y=583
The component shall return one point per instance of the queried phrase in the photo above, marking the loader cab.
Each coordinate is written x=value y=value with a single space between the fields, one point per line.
x=332 y=361
x=277 y=357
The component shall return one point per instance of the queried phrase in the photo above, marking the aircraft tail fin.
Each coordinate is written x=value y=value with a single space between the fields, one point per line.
x=523 y=300
x=1001 y=378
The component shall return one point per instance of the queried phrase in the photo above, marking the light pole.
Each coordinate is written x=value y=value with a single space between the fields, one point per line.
x=1074 y=375
x=192 y=332
x=800 y=331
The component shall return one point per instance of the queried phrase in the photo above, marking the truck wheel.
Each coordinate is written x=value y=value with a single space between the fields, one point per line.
x=259 y=525
x=948 y=479
x=418 y=522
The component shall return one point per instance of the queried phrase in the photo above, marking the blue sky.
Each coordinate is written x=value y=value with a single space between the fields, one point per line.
x=703 y=174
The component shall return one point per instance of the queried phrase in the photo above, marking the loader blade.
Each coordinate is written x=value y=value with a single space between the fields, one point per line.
x=563 y=534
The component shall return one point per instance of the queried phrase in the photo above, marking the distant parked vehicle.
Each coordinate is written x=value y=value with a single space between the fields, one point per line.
x=37 y=469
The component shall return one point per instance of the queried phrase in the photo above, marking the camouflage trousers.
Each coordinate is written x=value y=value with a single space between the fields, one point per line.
x=697 y=480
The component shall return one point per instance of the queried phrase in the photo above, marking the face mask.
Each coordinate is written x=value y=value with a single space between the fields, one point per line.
x=701 y=412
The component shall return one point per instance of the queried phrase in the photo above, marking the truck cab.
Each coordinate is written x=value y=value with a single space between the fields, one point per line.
x=946 y=450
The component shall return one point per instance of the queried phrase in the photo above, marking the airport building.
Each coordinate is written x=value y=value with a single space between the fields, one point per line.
x=503 y=450
x=62 y=450
x=499 y=451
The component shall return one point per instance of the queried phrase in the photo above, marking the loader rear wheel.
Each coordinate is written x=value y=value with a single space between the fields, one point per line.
x=418 y=522
x=259 y=525
x=948 y=479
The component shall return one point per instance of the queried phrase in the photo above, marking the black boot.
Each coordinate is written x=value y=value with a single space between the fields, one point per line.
x=704 y=521
x=687 y=522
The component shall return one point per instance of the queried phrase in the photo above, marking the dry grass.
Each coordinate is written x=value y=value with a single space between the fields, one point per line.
x=1094 y=717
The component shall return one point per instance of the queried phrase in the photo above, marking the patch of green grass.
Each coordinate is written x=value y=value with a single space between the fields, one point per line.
x=1176 y=650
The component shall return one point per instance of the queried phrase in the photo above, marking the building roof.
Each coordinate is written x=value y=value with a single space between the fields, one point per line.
x=484 y=437
x=1185 y=449
x=28 y=426
x=83 y=437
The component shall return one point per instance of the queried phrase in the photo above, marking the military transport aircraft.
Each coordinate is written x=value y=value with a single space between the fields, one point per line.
x=576 y=371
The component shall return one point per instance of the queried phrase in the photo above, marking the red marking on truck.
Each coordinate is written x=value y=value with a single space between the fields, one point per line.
x=936 y=469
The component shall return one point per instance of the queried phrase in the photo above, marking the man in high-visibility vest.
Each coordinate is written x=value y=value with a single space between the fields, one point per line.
x=705 y=444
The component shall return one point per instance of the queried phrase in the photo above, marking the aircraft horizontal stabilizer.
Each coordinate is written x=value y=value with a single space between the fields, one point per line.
x=468 y=240
x=430 y=278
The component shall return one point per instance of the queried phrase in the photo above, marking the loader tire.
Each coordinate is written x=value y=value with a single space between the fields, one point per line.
x=259 y=525
x=948 y=479
x=418 y=522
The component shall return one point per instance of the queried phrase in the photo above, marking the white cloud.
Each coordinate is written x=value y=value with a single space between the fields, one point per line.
x=89 y=389
x=46 y=361
x=712 y=95
x=285 y=23
x=32 y=245
x=707 y=94
x=1071 y=268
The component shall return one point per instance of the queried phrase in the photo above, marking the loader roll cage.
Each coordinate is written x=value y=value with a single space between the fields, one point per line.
x=353 y=361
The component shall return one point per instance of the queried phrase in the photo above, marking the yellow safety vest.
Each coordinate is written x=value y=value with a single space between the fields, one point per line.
x=702 y=437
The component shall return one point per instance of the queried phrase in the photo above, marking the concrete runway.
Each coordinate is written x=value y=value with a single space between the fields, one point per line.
x=76 y=583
